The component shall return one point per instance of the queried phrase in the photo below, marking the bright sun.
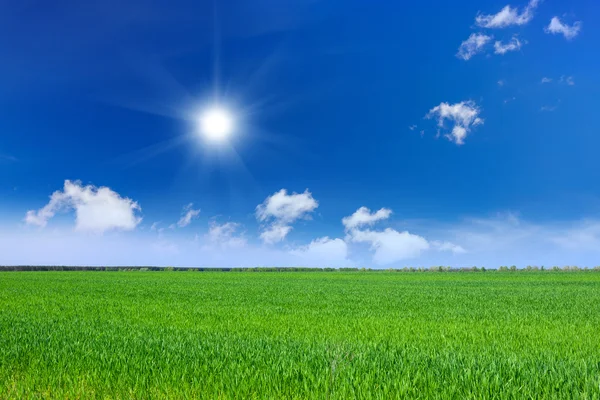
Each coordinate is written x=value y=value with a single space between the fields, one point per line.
x=216 y=124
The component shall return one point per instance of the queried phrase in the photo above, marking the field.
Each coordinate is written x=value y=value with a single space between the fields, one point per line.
x=322 y=335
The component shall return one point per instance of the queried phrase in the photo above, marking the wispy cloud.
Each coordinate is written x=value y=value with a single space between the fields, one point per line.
x=188 y=215
x=567 y=80
x=473 y=45
x=546 y=80
x=558 y=27
x=513 y=44
x=463 y=116
x=507 y=16
x=6 y=157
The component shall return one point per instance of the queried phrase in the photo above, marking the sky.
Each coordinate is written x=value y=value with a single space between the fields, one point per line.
x=362 y=134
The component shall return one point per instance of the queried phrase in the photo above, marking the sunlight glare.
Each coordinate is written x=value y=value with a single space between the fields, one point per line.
x=216 y=124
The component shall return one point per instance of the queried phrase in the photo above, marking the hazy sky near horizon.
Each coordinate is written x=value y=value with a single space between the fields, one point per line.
x=364 y=134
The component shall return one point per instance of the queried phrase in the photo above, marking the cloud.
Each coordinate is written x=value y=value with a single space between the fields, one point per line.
x=569 y=32
x=546 y=80
x=513 y=45
x=568 y=80
x=548 y=108
x=473 y=45
x=464 y=116
x=324 y=251
x=507 y=16
x=187 y=216
x=275 y=233
x=412 y=127
x=224 y=235
x=279 y=211
x=96 y=209
x=501 y=82
x=363 y=216
x=390 y=245
x=447 y=246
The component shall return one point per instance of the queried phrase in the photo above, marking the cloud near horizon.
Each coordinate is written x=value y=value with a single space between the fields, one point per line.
x=96 y=209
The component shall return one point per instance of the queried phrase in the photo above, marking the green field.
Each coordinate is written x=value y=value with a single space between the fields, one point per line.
x=299 y=335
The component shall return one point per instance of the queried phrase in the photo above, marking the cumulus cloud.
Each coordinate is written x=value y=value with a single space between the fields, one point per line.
x=279 y=211
x=96 y=209
x=473 y=45
x=507 y=16
x=363 y=216
x=324 y=251
x=557 y=27
x=513 y=44
x=225 y=235
x=188 y=215
x=390 y=245
x=463 y=116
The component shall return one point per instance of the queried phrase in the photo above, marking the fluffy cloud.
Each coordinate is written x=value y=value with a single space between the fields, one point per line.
x=363 y=216
x=96 y=209
x=507 y=16
x=464 y=116
x=281 y=210
x=324 y=251
x=224 y=235
x=447 y=246
x=557 y=27
x=512 y=45
x=473 y=45
x=390 y=245
x=188 y=215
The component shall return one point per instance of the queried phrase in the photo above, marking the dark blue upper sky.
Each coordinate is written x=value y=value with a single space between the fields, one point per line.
x=328 y=96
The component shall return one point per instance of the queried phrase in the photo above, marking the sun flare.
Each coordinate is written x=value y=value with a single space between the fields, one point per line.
x=216 y=124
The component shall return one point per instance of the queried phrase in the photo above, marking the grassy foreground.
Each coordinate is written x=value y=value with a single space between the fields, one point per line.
x=299 y=335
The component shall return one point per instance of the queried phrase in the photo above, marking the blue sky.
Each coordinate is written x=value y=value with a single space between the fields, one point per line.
x=444 y=136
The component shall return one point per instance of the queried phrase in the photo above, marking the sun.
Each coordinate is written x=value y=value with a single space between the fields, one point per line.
x=216 y=124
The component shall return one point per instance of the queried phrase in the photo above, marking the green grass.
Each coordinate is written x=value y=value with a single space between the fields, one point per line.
x=299 y=335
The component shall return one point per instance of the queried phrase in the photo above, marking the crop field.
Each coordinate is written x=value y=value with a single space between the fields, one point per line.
x=321 y=335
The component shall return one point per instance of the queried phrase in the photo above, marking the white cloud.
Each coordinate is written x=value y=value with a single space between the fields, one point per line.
x=324 y=251
x=507 y=16
x=187 y=216
x=447 y=246
x=281 y=210
x=513 y=44
x=275 y=233
x=464 y=116
x=390 y=245
x=363 y=216
x=569 y=32
x=473 y=45
x=96 y=209
x=501 y=82
x=546 y=80
x=224 y=235
x=568 y=80
x=412 y=127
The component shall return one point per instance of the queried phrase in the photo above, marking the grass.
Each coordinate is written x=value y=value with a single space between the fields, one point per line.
x=331 y=335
